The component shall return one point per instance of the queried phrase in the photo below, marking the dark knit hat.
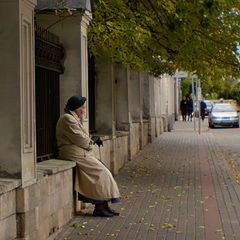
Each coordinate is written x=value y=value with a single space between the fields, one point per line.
x=75 y=102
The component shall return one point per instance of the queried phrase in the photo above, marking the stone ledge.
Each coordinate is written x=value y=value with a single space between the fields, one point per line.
x=8 y=184
x=122 y=133
x=136 y=121
x=53 y=166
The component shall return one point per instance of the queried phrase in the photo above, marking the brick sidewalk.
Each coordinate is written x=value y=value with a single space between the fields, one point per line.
x=179 y=187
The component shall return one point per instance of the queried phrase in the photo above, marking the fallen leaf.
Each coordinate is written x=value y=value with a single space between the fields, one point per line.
x=75 y=225
x=167 y=225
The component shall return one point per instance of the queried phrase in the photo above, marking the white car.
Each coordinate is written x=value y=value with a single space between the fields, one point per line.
x=223 y=114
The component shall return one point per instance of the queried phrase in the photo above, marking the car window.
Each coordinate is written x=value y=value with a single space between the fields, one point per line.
x=223 y=108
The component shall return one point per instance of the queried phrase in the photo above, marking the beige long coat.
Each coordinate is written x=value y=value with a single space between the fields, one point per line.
x=93 y=180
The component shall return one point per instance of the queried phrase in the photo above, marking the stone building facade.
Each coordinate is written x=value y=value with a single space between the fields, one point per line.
x=127 y=109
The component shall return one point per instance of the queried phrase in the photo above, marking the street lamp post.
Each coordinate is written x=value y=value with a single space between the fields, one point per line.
x=199 y=104
x=193 y=101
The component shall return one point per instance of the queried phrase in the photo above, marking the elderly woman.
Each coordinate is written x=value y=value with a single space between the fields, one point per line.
x=94 y=182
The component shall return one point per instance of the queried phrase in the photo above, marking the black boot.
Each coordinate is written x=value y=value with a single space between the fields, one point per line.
x=100 y=211
x=107 y=208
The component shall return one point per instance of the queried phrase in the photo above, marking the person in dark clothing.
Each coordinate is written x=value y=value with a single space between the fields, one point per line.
x=189 y=108
x=183 y=107
x=203 y=106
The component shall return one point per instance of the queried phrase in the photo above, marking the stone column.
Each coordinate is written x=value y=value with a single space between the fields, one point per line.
x=121 y=76
x=157 y=106
x=135 y=113
x=141 y=93
x=176 y=98
x=152 y=130
x=17 y=94
x=86 y=18
x=171 y=94
x=146 y=97
x=134 y=96
x=104 y=99
x=163 y=94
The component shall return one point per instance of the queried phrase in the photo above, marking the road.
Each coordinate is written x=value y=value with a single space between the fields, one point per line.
x=228 y=140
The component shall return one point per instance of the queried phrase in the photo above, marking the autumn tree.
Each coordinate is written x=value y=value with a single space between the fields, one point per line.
x=161 y=36
x=186 y=86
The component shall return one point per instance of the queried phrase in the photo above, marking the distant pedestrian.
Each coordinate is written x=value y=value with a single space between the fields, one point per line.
x=189 y=108
x=183 y=107
x=203 y=107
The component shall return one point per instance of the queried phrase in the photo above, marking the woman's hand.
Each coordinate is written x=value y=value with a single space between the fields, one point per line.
x=97 y=140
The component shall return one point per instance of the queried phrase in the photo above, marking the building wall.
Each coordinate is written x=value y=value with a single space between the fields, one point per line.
x=10 y=85
x=40 y=210
x=145 y=129
x=73 y=36
x=17 y=91
x=134 y=140
x=8 y=224
x=104 y=97
x=46 y=206
x=121 y=78
x=120 y=151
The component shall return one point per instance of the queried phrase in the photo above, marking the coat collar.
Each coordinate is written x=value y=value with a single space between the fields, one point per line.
x=75 y=116
x=79 y=121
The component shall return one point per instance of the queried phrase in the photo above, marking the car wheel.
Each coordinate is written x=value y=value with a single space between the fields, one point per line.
x=236 y=125
x=210 y=125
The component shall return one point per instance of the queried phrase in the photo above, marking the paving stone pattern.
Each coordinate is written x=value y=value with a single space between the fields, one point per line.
x=162 y=194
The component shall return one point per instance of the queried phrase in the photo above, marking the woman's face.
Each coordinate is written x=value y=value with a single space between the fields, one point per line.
x=80 y=111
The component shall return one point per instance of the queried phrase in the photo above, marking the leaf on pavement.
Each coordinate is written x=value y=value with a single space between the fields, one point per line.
x=167 y=226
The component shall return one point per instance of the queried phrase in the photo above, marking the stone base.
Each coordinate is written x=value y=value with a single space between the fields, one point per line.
x=43 y=208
